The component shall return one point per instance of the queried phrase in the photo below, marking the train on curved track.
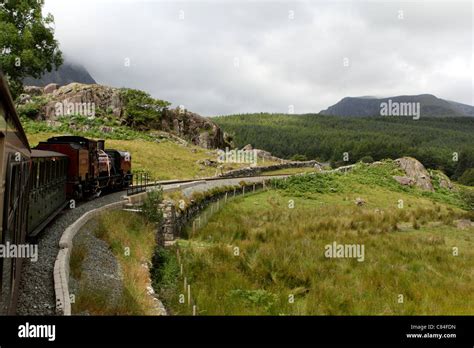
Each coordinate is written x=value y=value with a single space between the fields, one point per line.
x=36 y=184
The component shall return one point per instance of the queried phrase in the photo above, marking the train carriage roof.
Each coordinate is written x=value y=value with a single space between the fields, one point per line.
x=70 y=139
x=45 y=154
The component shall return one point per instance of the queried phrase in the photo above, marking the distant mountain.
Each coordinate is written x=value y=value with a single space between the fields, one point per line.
x=67 y=73
x=429 y=105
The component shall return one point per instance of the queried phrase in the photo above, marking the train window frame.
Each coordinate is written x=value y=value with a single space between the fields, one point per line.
x=64 y=168
x=12 y=184
x=53 y=169
x=37 y=174
x=33 y=169
x=42 y=173
x=46 y=172
x=49 y=172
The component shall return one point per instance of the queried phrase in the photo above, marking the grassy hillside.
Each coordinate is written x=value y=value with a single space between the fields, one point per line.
x=164 y=160
x=281 y=235
x=431 y=140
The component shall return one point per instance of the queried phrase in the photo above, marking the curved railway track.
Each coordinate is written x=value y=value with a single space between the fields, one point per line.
x=36 y=296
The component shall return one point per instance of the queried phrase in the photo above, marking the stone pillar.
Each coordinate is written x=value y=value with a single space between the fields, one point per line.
x=166 y=229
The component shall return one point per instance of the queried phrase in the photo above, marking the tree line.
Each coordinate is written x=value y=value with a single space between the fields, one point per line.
x=439 y=143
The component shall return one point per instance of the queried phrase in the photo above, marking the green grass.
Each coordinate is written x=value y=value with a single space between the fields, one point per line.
x=408 y=251
x=163 y=160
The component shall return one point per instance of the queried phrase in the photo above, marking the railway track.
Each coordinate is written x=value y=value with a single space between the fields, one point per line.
x=36 y=296
x=184 y=181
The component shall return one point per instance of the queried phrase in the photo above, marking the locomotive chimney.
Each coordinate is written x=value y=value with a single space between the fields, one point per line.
x=101 y=145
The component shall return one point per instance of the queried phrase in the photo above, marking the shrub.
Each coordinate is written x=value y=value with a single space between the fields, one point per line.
x=32 y=109
x=141 y=110
x=299 y=158
x=467 y=178
x=468 y=198
x=165 y=268
x=367 y=159
x=150 y=207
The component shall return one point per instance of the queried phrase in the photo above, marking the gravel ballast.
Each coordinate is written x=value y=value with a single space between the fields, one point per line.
x=36 y=295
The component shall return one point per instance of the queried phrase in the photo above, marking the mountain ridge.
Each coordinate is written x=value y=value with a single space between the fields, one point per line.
x=430 y=106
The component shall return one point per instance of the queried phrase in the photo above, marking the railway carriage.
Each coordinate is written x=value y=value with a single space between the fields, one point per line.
x=15 y=166
x=83 y=169
x=47 y=194
x=35 y=185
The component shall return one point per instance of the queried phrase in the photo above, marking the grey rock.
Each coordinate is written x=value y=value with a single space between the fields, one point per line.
x=416 y=171
x=50 y=88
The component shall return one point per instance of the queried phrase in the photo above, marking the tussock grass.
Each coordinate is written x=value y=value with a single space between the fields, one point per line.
x=132 y=241
x=78 y=255
x=408 y=251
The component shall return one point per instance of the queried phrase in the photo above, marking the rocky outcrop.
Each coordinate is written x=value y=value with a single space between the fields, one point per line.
x=404 y=180
x=416 y=174
x=443 y=180
x=189 y=125
x=105 y=100
x=265 y=155
x=33 y=91
x=50 y=88
x=100 y=97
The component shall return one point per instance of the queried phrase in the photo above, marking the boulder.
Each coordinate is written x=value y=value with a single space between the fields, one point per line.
x=199 y=130
x=404 y=180
x=33 y=91
x=464 y=224
x=50 y=88
x=415 y=171
x=24 y=99
x=444 y=181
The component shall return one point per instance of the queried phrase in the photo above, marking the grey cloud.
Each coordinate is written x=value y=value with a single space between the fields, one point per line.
x=282 y=62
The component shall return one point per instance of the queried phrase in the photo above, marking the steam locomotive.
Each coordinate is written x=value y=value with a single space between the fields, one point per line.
x=36 y=184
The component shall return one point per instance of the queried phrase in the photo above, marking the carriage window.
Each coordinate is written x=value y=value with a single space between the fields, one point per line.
x=33 y=171
x=13 y=184
x=48 y=171
x=41 y=173
x=37 y=174
x=53 y=170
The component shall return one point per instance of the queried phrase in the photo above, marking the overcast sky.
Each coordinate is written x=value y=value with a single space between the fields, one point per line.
x=264 y=56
